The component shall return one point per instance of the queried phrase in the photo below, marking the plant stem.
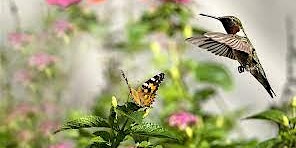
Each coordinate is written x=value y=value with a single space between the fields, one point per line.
x=124 y=124
x=120 y=135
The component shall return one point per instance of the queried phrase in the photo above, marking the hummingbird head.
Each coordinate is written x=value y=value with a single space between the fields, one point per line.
x=231 y=24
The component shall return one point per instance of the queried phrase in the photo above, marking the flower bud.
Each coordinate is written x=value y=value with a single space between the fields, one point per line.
x=189 y=132
x=114 y=101
x=294 y=102
x=155 y=47
x=285 y=121
x=147 y=111
x=220 y=121
x=187 y=32
x=175 y=73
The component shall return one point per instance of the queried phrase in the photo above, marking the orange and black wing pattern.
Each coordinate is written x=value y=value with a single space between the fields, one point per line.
x=145 y=95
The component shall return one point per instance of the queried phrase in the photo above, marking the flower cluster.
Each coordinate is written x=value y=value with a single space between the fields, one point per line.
x=95 y=1
x=63 y=145
x=63 y=3
x=178 y=1
x=62 y=26
x=182 y=120
x=22 y=76
x=41 y=60
x=17 y=39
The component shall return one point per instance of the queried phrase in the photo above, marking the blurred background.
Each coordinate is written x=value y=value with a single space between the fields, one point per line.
x=62 y=59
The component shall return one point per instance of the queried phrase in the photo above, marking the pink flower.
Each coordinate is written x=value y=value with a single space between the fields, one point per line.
x=63 y=145
x=21 y=112
x=47 y=127
x=178 y=1
x=41 y=60
x=182 y=1
x=62 y=26
x=63 y=3
x=17 y=39
x=22 y=76
x=95 y=1
x=182 y=120
x=25 y=135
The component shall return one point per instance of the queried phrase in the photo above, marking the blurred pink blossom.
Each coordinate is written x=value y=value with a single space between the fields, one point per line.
x=182 y=1
x=66 y=144
x=17 y=39
x=178 y=1
x=41 y=60
x=50 y=108
x=22 y=76
x=21 y=111
x=63 y=3
x=95 y=1
x=25 y=135
x=46 y=127
x=26 y=108
x=182 y=120
x=62 y=26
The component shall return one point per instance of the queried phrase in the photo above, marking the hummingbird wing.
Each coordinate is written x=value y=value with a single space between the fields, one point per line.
x=221 y=44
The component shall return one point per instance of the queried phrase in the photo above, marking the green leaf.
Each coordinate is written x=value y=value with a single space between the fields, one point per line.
x=214 y=74
x=103 y=134
x=153 y=130
x=293 y=120
x=130 y=110
x=128 y=107
x=134 y=116
x=139 y=138
x=97 y=140
x=235 y=144
x=270 y=143
x=99 y=145
x=113 y=117
x=136 y=32
x=271 y=115
x=204 y=93
x=84 y=122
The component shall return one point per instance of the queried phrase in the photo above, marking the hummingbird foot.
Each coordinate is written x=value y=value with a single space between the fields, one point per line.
x=248 y=68
x=241 y=69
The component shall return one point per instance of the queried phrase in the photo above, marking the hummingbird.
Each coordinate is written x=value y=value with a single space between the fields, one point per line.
x=233 y=46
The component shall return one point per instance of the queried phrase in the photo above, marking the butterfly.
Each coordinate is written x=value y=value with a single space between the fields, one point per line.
x=144 y=96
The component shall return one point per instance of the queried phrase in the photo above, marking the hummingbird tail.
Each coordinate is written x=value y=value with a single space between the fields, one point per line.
x=263 y=80
x=270 y=91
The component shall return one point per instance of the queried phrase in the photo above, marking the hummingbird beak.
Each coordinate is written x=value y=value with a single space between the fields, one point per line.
x=209 y=16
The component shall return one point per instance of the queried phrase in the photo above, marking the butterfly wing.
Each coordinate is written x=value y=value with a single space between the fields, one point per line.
x=147 y=92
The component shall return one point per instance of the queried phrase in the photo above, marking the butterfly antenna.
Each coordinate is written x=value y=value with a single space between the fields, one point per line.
x=126 y=81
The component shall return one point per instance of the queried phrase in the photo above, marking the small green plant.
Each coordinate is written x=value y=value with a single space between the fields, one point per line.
x=285 y=119
x=124 y=121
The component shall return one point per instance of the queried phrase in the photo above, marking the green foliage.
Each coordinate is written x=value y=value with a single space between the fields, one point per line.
x=273 y=115
x=130 y=124
x=84 y=122
x=204 y=94
x=214 y=74
x=286 y=123
x=169 y=18
x=270 y=143
x=85 y=20
x=152 y=130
